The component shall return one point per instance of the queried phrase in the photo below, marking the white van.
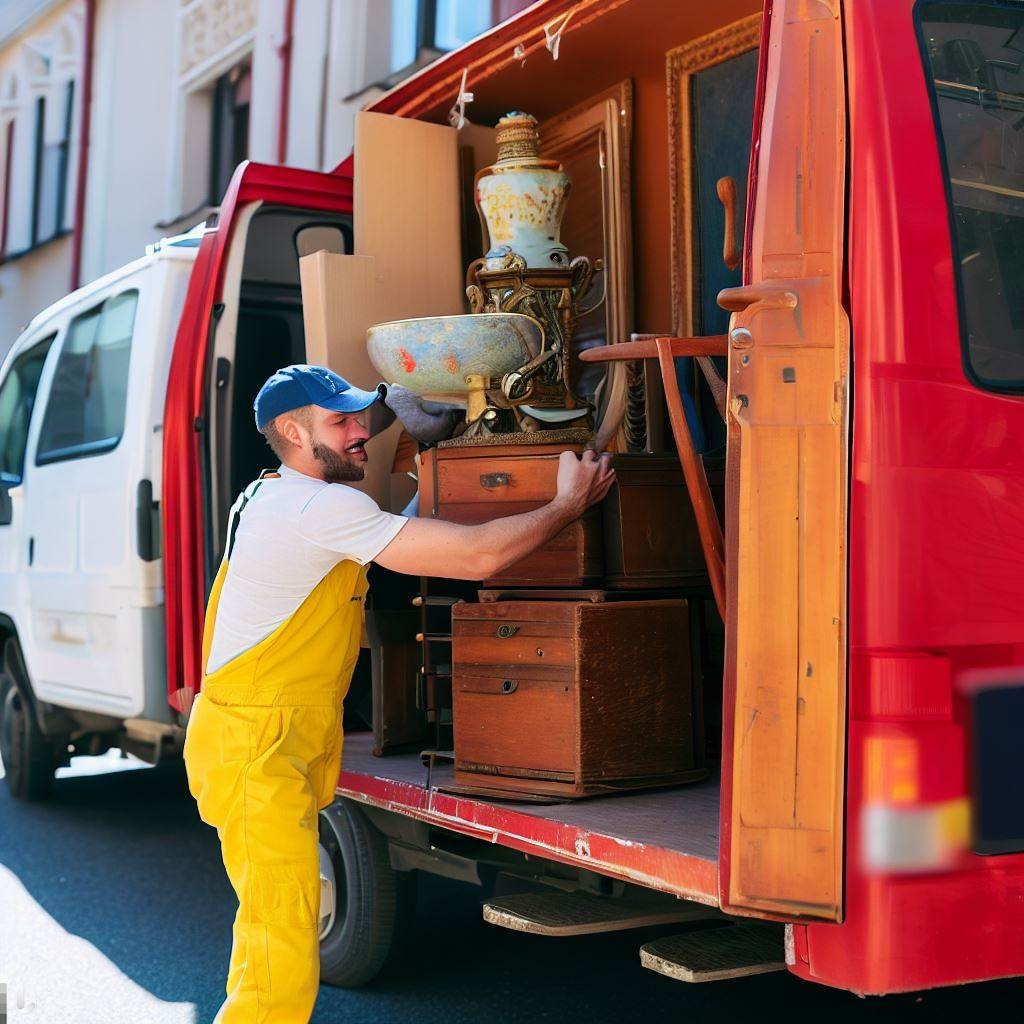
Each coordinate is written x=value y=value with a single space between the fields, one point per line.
x=84 y=393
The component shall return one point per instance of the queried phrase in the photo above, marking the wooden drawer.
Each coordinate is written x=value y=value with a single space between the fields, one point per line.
x=530 y=481
x=515 y=724
x=524 y=474
x=572 y=558
x=518 y=650
x=514 y=639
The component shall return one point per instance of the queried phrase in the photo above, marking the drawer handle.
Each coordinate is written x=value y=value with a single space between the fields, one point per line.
x=492 y=480
x=490 y=687
x=505 y=631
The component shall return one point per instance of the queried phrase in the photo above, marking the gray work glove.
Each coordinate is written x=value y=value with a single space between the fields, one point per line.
x=427 y=422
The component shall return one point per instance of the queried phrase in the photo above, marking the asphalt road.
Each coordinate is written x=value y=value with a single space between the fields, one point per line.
x=114 y=910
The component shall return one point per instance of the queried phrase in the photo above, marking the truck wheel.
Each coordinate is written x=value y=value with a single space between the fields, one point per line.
x=363 y=899
x=28 y=759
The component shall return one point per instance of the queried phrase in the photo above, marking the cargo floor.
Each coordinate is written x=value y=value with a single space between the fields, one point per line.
x=666 y=839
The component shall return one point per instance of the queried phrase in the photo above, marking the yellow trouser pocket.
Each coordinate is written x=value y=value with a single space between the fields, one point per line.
x=326 y=778
x=221 y=743
x=286 y=894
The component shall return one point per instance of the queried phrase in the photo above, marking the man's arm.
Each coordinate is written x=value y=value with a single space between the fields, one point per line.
x=432 y=547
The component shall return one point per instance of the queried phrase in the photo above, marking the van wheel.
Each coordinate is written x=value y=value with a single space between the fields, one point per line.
x=28 y=758
x=364 y=901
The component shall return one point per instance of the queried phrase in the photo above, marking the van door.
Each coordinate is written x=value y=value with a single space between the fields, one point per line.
x=18 y=391
x=189 y=487
x=787 y=481
x=93 y=639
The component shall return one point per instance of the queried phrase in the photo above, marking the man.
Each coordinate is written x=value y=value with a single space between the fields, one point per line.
x=263 y=746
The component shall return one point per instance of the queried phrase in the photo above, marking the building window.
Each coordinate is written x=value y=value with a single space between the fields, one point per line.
x=5 y=193
x=88 y=397
x=53 y=136
x=458 y=21
x=439 y=25
x=229 y=140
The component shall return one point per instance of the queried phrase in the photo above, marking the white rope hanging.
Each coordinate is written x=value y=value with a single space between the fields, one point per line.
x=553 y=32
x=457 y=115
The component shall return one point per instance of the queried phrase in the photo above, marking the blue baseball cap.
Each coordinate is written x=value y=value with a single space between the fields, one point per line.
x=301 y=384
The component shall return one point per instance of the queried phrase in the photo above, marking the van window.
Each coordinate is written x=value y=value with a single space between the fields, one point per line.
x=974 y=58
x=17 y=398
x=86 y=407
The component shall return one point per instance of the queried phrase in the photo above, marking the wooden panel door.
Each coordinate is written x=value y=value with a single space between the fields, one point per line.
x=782 y=811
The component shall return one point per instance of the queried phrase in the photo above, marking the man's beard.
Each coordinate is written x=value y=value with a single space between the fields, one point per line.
x=336 y=468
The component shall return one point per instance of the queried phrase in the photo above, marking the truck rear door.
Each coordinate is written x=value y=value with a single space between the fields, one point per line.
x=787 y=479
x=190 y=489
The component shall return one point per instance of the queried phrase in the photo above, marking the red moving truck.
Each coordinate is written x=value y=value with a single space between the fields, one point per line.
x=865 y=829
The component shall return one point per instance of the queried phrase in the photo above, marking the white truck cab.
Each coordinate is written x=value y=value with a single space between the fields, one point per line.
x=81 y=590
x=94 y=627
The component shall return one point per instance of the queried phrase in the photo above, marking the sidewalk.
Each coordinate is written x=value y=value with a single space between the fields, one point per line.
x=54 y=977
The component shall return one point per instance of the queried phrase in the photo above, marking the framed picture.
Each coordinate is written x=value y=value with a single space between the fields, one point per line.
x=711 y=82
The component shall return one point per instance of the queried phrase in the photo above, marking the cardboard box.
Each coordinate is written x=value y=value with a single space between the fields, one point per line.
x=408 y=263
x=407 y=214
x=339 y=302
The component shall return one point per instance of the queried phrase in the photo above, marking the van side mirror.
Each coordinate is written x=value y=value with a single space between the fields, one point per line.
x=6 y=506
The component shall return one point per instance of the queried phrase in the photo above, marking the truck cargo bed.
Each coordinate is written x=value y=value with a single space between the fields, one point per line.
x=665 y=839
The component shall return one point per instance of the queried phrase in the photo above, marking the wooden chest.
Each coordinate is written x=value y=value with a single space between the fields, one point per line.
x=572 y=698
x=644 y=534
x=649 y=527
x=474 y=484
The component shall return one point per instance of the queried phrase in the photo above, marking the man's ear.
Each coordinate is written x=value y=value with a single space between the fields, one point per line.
x=289 y=429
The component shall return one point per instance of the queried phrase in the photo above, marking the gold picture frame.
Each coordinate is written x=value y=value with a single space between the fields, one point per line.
x=681 y=64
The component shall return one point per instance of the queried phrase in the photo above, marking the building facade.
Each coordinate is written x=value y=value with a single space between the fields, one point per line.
x=122 y=121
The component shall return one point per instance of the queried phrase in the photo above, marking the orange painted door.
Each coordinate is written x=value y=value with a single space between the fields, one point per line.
x=782 y=807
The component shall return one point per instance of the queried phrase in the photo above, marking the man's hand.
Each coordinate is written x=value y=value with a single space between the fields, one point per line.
x=428 y=422
x=583 y=481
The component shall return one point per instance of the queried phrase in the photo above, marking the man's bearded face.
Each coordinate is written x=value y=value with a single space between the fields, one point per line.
x=338 y=443
x=338 y=468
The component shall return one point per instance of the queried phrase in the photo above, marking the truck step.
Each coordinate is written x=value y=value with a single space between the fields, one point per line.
x=580 y=913
x=714 y=954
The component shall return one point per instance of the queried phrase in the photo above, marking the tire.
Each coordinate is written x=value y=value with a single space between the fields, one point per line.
x=28 y=758
x=373 y=902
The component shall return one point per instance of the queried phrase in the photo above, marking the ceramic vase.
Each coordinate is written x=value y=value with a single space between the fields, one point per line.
x=522 y=198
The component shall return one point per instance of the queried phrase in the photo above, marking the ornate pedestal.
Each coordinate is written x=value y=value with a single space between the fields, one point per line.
x=552 y=297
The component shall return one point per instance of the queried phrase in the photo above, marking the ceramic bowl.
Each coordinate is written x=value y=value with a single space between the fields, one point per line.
x=432 y=355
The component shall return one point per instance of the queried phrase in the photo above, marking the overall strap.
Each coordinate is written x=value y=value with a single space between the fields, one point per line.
x=236 y=516
x=218 y=583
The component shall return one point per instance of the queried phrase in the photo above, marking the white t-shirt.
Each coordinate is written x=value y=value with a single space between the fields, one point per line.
x=293 y=531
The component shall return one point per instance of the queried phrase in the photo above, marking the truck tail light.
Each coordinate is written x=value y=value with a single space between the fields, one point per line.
x=900 y=831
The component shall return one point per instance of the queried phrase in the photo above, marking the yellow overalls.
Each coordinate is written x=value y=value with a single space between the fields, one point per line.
x=263 y=753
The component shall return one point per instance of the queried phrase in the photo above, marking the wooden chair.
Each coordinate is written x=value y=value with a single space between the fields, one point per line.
x=665 y=350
